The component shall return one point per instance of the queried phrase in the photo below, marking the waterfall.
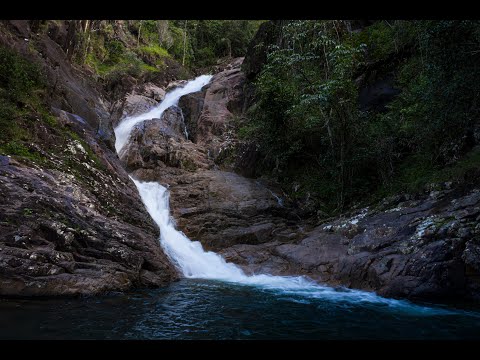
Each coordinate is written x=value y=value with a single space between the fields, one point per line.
x=122 y=131
x=194 y=262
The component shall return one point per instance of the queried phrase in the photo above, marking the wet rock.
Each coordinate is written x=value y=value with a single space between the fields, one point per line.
x=174 y=84
x=76 y=225
x=209 y=113
x=192 y=105
x=160 y=143
x=173 y=123
x=417 y=252
x=222 y=98
x=4 y=160
x=219 y=208
x=154 y=92
x=139 y=100
x=133 y=104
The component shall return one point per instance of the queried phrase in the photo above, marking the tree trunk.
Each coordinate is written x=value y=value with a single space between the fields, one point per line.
x=71 y=39
x=184 y=43
x=139 y=30
x=88 y=27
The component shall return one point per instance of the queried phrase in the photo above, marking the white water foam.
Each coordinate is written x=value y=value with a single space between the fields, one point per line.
x=122 y=131
x=194 y=262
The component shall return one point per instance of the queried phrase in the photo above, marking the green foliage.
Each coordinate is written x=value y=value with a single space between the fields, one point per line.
x=385 y=38
x=208 y=40
x=309 y=127
x=417 y=171
x=205 y=56
x=306 y=109
x=154 y=49
x=431 y=124
x=18 y=77
x=115 y=52
x=27 y=211
x=141 y=47
x=21 y=85
x=111 y=59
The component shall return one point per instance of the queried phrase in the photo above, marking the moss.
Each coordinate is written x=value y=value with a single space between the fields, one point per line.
x=149 y=69
x=18 y=76
x=188 y=164
x=19 y=149
x=22 y=88
x=154 y=49
x=90 y=154
x=27 y=211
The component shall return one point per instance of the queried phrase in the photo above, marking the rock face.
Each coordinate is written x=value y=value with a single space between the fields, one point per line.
x=161 y=143
x=74 y=223
x=223 y=97
x=217 y=207
x=419 y=249
x=222 y=209
x=269 y=32
x=69 y=88
x=209 y=113
x=136 y=102
x=192 y=106
x=71 y=221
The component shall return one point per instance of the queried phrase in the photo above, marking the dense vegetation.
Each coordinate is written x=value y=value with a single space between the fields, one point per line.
x=318 y=138
x=143 y=48
x=110 y=50
x=210 y=40
x=21 y=89
x=316 y=132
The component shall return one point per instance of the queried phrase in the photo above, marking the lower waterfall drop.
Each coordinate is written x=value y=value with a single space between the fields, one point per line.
x=194 y=262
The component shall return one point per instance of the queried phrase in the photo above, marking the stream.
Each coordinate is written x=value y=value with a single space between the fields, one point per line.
x=217 y=300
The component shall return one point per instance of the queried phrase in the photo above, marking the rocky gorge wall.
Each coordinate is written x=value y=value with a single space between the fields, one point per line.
x=71 y=220
x=423 y=246
x=73 y=223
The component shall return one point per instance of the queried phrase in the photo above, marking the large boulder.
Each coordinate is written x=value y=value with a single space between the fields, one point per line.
x=192 y=106
x=172 y=85
x=74 y=223
x=140 y=100
x=222 y=209
x=173 y=123
x=208 y=113
x=160 y=143
x=269 y=32
x=419 y=249
x=223 y=98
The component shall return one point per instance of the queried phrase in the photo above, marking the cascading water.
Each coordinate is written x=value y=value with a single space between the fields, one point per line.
x=217 y=300
x=122 y=131
x=194 y=262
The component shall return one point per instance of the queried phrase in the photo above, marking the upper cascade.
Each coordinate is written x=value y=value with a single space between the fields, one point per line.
x=123 y=130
